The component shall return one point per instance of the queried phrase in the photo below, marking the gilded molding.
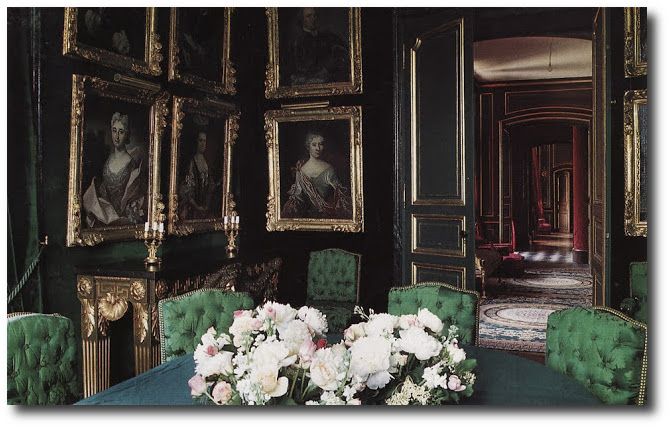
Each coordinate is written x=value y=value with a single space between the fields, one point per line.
x=633 y=224
x=138 y=290
x=125 y=91
x=140 y=321
x=152 y=47
x=214 y=110
x=634 y=65
x=84 y=287
x=273 y=89
x=273 y=215
x=87 y=318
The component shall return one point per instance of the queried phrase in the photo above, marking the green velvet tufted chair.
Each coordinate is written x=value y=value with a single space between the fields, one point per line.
x=333 y=277
x=454 y=306
x=182 y=320
x=603 y=349
x=41 y=360
x=636 y=304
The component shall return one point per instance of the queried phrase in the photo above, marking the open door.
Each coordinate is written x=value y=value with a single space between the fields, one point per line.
x=599 y=248
x=435 y=148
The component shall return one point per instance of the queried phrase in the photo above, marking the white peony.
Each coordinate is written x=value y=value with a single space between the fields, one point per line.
x=381 y=324
x=407 y=321
x=369 y=355
x=430 y=320
x=416 y=341
x=283 y=315
x=323 y=369
x=314 y=319
x=306 y=353
x=243 y=325
x=221 y=363
x=397 y=360
x=267 y=378
x=379 y=379
x=457 y=354
x=294 y=335
x=354 y=332
x=272 y=353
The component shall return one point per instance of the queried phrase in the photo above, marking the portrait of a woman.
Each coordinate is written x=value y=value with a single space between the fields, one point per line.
x=317 y=191
x=198 y=186
x=118 y=197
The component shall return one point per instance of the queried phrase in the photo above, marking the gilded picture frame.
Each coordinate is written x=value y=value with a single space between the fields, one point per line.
x=93 y=216
x=635 y=46
x=275 y=75
x=149 y=64
x=206 y=129
x=635 y=162
x=331 y=199
x=177 y=71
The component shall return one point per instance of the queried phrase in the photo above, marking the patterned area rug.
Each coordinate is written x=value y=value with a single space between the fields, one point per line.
x=515 y=318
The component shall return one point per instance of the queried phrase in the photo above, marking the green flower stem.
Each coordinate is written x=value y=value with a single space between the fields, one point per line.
x=295 y=376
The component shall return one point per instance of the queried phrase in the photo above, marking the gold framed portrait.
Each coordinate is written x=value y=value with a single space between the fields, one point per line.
x=635 y=162
x=315 y=169
x=203 y=135
x=120 y=37
x=313 y=52
x=116 y=130
x=635 y=48
x=200 y=48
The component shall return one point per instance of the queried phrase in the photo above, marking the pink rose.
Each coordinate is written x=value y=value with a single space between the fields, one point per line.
x=198 y=385
x=222 y=392
x=211 y=350
x=454 y=384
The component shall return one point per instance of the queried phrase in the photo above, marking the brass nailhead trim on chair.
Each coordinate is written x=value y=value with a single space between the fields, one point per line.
x=643 y=371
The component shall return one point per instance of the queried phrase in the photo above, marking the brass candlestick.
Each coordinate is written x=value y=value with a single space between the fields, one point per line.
x=152 y=240
x=231 y=227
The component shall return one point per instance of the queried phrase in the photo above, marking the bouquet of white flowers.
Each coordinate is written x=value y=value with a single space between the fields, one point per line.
x=404 y=360
x=276 y=354
x=273 y=354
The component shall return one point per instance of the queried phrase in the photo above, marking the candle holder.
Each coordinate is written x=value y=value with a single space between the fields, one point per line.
x=231 y=227
x=152 y=240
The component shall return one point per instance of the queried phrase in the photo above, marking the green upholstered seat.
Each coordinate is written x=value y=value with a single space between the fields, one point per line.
x=41 y=360
x=603 y=349
x=333 y=277
x=454 y=306
x=636 y=304
x=184 y=319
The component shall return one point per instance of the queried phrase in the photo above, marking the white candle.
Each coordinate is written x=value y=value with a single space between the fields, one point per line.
x=225 y=219
x=146 y=226
x=155 y=226
x=160 y=227
x=237 y=219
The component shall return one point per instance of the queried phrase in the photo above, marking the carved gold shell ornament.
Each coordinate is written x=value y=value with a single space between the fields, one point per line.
x=112 y=307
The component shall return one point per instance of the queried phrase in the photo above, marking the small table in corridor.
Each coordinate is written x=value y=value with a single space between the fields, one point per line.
x=502 y=380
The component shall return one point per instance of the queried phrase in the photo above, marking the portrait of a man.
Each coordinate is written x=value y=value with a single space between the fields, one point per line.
x=313 y=51
x=317 y=43
x=114 y=164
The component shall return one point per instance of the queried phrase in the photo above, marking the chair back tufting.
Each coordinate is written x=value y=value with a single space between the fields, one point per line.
x=603 y=349
x=454 y=306
x=333 y=277
x=184 y=319
x=41 y=360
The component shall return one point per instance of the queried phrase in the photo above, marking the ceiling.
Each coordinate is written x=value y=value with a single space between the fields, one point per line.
x=527 y=58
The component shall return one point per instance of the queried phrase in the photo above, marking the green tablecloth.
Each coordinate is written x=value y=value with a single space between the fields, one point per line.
x=502 y=380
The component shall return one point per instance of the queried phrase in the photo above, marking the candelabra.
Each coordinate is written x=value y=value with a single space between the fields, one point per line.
x=153 y=238
x=231 y=226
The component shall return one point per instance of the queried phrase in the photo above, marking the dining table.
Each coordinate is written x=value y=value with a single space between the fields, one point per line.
x=502 y=379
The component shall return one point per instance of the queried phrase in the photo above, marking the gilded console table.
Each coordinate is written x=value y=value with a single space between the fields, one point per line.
x=107 y=292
